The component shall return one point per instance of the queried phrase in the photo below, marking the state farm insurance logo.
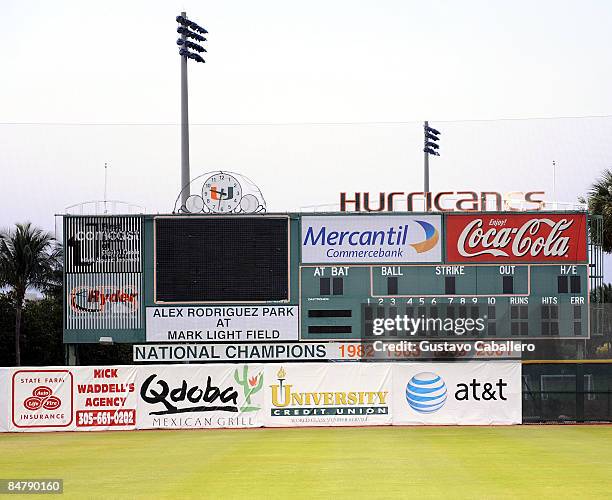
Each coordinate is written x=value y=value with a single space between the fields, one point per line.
x=42 y=398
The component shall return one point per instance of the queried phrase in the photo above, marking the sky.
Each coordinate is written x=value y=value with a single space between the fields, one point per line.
x=307 y=99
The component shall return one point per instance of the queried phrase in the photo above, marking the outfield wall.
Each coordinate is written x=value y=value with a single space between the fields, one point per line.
x=90 y=398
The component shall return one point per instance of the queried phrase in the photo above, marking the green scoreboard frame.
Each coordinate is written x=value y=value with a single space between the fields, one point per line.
x=524 y=275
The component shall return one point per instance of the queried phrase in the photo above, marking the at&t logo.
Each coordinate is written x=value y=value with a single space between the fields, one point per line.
x=426 y=392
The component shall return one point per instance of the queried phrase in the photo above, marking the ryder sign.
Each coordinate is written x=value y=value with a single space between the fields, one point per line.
x=534 y=237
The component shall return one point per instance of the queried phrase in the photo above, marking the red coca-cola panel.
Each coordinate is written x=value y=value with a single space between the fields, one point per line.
x=533 y=237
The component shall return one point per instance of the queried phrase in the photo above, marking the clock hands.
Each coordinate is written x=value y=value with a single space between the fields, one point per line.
x=220 y=193
x=226 y=192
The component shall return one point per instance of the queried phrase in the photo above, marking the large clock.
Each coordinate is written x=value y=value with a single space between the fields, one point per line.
x=222 y=193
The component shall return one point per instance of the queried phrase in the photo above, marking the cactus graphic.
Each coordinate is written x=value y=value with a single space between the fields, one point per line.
x=249 y=386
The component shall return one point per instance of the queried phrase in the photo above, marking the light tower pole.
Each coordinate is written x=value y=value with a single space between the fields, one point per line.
x=431 y=136
x=185 y=176
x=105 y=185
x=554 y=169
x=187 y=29
x=425 y=163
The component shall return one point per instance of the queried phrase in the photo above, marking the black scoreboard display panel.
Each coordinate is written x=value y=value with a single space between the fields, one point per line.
x=221 y=259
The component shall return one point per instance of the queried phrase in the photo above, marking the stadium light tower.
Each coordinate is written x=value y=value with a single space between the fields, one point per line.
x=431 y=137
x=188 y=30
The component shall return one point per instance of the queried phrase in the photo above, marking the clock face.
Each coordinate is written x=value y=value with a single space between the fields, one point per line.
x=222 y=193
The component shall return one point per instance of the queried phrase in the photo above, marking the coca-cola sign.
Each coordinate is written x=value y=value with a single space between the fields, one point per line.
x=551 y=237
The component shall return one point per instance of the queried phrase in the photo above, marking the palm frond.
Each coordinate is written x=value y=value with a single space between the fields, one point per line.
x=29 y=258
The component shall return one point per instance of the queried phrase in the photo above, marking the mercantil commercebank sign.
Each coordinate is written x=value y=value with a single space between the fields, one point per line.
x=364 y=239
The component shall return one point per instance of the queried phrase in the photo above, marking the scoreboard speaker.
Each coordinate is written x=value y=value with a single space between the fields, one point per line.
x=221 y=259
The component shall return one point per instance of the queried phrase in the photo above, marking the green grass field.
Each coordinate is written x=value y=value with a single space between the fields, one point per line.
x=402 y=462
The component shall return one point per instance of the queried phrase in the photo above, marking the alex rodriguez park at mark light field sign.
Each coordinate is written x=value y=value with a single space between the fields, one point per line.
x=222 y=323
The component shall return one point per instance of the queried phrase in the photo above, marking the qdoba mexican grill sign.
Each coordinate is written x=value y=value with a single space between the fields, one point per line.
x=533 y=237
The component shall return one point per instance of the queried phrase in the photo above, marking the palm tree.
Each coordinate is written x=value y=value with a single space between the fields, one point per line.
x=599 y=201
x=29 y=258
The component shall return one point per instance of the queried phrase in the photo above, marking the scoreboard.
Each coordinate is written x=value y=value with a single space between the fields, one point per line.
x=337 y=277
x=521 y=275
x=513 y=301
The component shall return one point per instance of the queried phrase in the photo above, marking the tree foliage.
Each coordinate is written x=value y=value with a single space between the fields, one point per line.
x=41 y=335
x=599 y=202
x=29 y=259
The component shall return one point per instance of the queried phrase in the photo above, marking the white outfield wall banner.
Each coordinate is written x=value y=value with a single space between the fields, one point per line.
x=42 y=399
x=105 y=398
x=72 y=398
x=202 y=396
x=368 y=239
x=85 y=398
x=222 y=324
x=471 y=393
x=327 y=394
